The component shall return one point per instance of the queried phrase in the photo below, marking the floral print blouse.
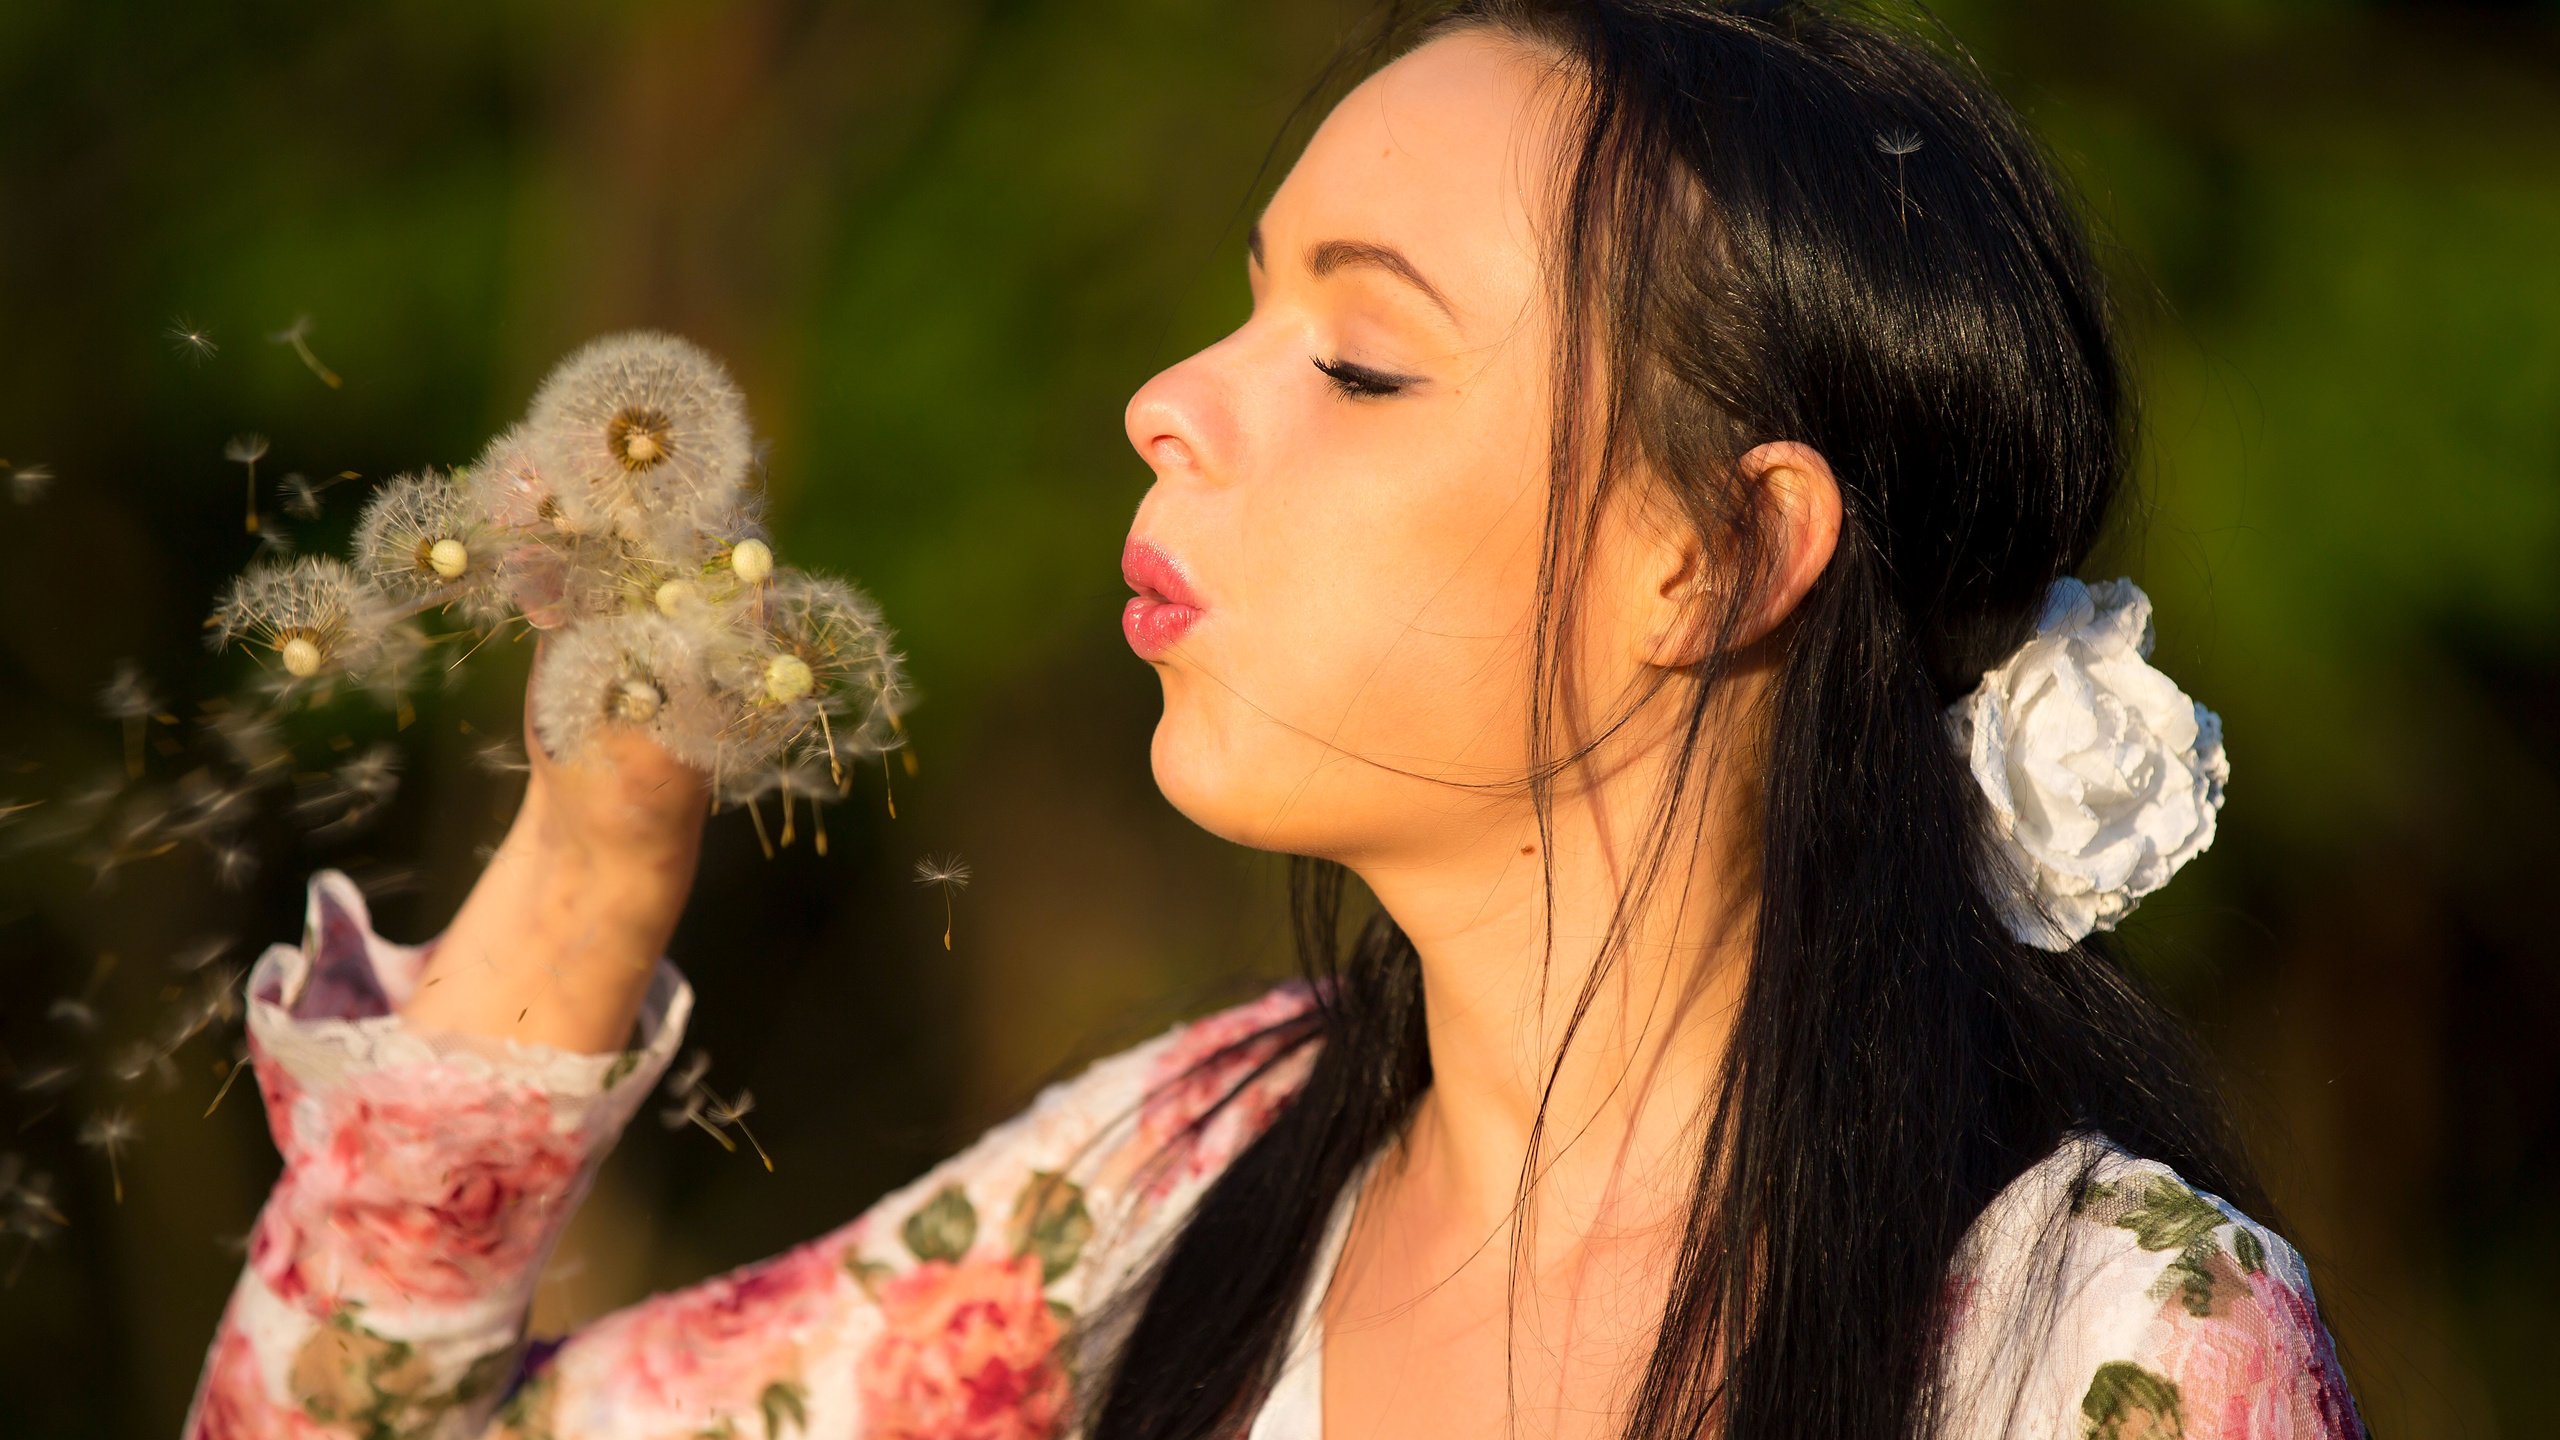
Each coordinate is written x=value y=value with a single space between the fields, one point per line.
x=427 y=1177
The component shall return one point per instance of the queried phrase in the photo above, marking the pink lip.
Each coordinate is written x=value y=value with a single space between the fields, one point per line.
x=1165 y=605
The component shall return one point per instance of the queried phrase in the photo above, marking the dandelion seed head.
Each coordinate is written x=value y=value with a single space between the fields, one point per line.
x=245 y=449
x=420 y=534
x=650 y=430
x=787 y=678
x=508 y=486
x=1898 y=142
x=674 y=598
x=28 y=483
x=641 y=670
x=313 y=612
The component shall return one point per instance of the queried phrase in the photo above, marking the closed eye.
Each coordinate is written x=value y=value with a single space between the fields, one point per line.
x=1358 y=381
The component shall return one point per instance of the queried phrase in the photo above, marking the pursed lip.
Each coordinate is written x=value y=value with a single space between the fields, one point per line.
x=1165 y=604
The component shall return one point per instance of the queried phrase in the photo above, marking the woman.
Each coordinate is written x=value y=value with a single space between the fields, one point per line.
x=1654 y=421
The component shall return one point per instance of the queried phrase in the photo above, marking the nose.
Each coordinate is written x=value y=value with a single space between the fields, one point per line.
x=1177 y=419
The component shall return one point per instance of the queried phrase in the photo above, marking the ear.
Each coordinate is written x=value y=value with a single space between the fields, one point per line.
x=1799 y=501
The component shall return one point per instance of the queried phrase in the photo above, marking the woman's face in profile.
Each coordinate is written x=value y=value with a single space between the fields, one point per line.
x=1353 y=483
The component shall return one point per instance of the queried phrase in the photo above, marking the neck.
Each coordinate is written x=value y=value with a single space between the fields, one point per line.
x=1621 y=1110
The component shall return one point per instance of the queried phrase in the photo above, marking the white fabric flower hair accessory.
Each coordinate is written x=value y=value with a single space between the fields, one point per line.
x=2104 y=777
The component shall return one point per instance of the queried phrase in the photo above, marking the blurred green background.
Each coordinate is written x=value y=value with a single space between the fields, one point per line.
x=940 y=244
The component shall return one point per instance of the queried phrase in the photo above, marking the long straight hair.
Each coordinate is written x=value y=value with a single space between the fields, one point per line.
x=1779 y=221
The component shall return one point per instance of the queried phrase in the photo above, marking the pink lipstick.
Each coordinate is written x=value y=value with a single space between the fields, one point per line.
x=1165 y=605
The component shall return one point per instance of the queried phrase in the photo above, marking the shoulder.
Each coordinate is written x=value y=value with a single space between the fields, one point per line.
x=1101 y=1161
x=2103 y=1292
x=955 y=1294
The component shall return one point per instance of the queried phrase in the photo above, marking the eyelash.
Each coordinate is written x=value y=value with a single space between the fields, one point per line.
x=1358 y=382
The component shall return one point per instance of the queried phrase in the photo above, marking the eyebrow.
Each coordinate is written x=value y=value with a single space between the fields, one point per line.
x=1327 y=256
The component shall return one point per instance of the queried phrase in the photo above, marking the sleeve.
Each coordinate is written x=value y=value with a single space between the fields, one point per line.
x=426 y=1177
x=2203 y=1321
x=392 y=1268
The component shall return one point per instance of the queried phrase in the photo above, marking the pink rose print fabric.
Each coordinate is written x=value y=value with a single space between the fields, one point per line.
x=427 y=1178
x=967 y=1351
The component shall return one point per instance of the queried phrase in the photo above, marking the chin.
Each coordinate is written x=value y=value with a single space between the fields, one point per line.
x=1224 y=783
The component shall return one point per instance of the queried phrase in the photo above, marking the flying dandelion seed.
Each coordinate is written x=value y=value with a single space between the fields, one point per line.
x=734 y=1112
x=301 y=498
x=239 y=1062
x=192 y=341
x=502 y=757
x=246 y=451
x=128 y=698
x=313 y=614
x=1898 y=143
x=644 y=431
x=947 y=873
x=28 y=483
x=141 y=1058
x=298 y=335
x=32 y=1216
x=109 y=1133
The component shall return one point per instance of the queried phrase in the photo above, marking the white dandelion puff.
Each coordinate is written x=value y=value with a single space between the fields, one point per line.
x=28 y=483
x=313 y=614
x=646 y=428
x=820 y=681
x=643 y=671
x=423 y=541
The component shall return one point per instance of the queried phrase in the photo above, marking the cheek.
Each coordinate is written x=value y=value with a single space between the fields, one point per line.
x=1378 y=612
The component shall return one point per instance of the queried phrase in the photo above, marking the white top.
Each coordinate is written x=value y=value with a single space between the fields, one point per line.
x=1294 y=1410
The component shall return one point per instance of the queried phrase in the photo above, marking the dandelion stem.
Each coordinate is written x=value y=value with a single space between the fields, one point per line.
x=818 y=821
x=788 y=833
x=887 y=788
x=946 y=917
x=761 y=838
